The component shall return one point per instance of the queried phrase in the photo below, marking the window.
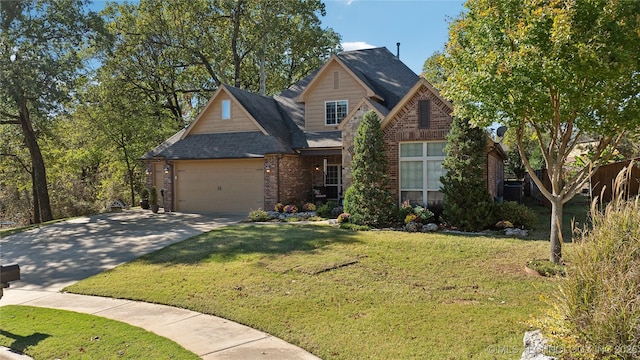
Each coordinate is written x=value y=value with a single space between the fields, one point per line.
x=420 y=172
x=424 y=114
x=335 y=111
x=226 y=109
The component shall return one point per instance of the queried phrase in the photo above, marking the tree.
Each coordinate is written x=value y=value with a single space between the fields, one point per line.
x=467 y=202
x=367 y=200
x=177 y=52
x=433 y=71
x=564 y=68
x=41 y=45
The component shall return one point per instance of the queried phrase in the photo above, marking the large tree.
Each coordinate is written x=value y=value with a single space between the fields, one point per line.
x=565 y=68
x=179 y=51
x=41 y=45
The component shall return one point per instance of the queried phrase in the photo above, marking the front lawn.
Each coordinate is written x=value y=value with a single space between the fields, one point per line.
x=57 y=334
x=345 y=295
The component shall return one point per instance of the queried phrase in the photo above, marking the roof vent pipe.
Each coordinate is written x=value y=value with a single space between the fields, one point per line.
x=398 y=52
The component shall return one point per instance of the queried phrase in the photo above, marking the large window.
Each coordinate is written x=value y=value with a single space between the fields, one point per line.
x=335 y=111
x=420 y=172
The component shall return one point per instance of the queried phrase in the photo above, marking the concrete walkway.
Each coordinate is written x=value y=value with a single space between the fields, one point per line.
x=58 y=255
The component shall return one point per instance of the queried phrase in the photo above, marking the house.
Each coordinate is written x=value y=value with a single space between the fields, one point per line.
x=245 y=151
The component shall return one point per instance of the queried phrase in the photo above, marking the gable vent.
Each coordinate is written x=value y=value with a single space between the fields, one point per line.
x=336 y=80
x=424 y=114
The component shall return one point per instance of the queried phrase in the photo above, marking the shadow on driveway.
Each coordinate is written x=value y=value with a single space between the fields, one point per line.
x=58 y=255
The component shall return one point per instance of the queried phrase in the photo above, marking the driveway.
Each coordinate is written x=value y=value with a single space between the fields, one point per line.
x=58 y=255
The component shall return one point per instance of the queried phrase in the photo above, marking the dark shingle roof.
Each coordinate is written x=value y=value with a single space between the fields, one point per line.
x=382 y=71
x=223 y=146
x=282 y=117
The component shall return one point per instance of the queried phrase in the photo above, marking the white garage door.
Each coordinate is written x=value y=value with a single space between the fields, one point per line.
x=220 y=185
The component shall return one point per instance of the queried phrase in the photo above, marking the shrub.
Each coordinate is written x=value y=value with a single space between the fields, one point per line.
x=467 y=202
x=343 y=218
x=324 y=210
x=410 y=218
x=354 y=227
x=517 y=214
x=309 y=207
x=259 y=215
x=423 y=214
x=597 y=307
x=291 y=209
x=279 y=207
x=368 y=195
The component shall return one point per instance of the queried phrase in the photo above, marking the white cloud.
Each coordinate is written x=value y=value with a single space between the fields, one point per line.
x=356 y=45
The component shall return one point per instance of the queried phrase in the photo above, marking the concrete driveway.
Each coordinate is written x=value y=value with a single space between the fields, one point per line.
x=58 y=255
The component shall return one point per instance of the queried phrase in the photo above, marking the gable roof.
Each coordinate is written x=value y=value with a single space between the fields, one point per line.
x=384 y=73
x=385 y=77
x=410 y=94
x=280 y=119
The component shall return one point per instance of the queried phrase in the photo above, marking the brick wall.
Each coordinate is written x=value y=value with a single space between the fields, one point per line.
x=288 y=180
x=403 y=127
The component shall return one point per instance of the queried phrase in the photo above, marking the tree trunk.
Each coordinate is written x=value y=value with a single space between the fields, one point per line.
x=555 y=238
x=39 y=179
x=35 y=218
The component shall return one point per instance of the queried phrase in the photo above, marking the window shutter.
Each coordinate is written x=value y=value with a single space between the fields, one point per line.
x=424 y=113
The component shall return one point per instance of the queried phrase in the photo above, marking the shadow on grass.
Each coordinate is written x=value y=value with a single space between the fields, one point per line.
x=229 y=243
x=23 y=342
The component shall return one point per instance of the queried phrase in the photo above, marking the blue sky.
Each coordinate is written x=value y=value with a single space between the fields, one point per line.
x=420 y=26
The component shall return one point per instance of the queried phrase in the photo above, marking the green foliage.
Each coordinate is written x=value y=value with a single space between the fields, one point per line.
x=144 y=193
x=368 y=196
x=43 y=45
x=354 y=227
x=467 y=203
x=564 y=68
x=545 y=267
x=517 y=214
x=153 y=196
x=259 y=215
x=597 y=307
x=407 y=213
x=433 y=71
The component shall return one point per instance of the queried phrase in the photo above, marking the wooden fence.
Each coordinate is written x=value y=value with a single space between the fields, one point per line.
x=605 y=178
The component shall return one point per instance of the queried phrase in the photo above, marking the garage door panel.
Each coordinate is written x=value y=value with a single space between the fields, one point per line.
x=220 y=185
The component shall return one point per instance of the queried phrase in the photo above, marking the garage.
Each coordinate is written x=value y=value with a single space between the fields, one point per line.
x=219 y=185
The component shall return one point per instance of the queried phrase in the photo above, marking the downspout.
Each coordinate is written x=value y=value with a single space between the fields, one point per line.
x=278 y=177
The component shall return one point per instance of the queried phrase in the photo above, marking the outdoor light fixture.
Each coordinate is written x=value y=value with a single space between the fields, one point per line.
x=147 y=171
x=267 y=168
x=166 y=169
x=317 y=167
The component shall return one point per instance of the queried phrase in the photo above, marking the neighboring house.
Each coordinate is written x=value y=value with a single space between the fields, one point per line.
x=245 y=151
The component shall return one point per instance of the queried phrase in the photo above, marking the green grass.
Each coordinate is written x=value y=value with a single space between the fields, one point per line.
x=56 y=334
x=577 y=209
x=342 y=294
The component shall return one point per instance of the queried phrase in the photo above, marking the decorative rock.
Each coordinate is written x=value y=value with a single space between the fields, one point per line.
x=534 y=346
x=430 y=227
x=412 y=227
x=516 y=232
